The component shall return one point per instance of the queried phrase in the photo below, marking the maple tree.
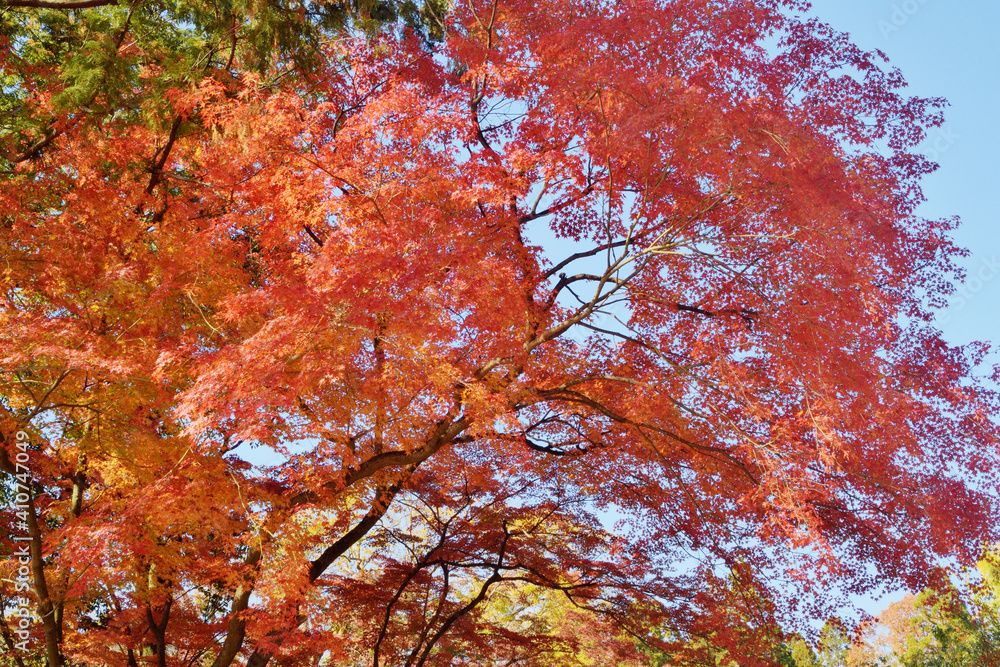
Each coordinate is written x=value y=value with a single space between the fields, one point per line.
x=581 y=331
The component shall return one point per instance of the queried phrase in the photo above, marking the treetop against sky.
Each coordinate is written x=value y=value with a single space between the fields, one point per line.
x=317 y=229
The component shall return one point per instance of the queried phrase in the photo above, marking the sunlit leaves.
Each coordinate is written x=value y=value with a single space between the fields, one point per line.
x=559 y=332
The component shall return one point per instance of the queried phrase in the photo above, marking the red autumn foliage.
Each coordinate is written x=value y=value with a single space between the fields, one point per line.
x=609 y=301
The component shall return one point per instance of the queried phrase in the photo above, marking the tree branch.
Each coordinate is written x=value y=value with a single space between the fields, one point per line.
x=260 y=658
x=46 y=609
x=379 y=507
x=34 y=149
x=9 y=640
x=237 y=629
x=161 y=156
x=473 y=603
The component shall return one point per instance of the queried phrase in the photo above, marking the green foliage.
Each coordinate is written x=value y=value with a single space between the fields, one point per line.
x=832 y=651
x=945 y=634
x=118 y=62
x=942 y=629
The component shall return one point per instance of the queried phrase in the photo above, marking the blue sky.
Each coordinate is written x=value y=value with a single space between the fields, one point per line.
x=949 y=48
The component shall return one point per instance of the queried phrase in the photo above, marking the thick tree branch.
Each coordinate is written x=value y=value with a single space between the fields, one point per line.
x=379 y=507
x=236 y=632
x=79 y=485
x=445 y=431
x=159 y=630
x=46 y=610
x=316 y=239
x=162 y=155
x=34 y=149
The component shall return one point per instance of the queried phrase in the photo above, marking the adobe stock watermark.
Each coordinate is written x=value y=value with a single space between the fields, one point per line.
x=940 y=141
x=22 y=617
x=901 y=14
x=974 y=284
